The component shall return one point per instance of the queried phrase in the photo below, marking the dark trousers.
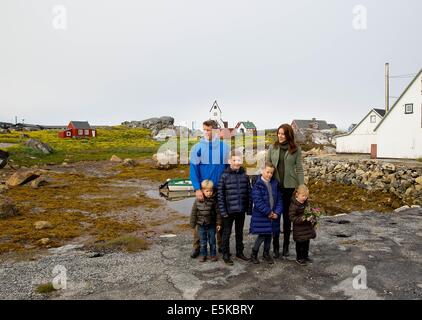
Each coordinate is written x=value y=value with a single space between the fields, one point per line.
x=266 y=238
x=302 y=249
x=276 y=243
x=239 y=221
x=286 y=194
x=196 y=243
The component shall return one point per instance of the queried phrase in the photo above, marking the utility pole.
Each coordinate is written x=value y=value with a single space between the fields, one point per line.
x=387 y=86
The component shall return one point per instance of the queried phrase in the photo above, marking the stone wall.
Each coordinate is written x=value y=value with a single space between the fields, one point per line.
x=403 y=181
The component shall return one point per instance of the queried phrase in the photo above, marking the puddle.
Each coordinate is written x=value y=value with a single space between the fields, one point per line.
x=182 y=203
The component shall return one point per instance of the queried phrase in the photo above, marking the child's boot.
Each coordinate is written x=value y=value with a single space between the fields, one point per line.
x=254 y=257
x=268 y=258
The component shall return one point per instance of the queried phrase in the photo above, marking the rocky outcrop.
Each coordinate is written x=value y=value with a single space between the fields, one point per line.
x=404 y=182
x=153 y=124
x=21 y=177
x=38 y=146
x=40 y=225
x=7 y=208
x=115 y=158
x=165 y=160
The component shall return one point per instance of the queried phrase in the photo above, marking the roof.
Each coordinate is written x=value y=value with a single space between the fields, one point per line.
x=322 y=124
x=332 y=126
x=381 y=112
x=247 y=124
x=80 y=124
x=215 y=104
x=398 y=100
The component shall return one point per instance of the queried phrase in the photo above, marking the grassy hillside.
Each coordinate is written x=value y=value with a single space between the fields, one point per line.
x=121 y=141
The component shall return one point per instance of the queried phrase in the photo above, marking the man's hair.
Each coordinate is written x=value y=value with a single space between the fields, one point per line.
x=302 y=189
x=210 y=123
x=269 y=165
x=207 y=184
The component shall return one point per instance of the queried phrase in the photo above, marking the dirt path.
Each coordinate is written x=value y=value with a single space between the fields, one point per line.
x=388 y=246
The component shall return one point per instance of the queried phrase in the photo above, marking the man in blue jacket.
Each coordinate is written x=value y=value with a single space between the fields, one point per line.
x=208 y=160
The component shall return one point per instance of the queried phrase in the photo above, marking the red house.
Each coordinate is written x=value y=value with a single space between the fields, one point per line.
x=78 y=129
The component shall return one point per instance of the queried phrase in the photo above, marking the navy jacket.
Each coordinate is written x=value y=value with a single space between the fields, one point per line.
x=234 y=192
x=260 y=223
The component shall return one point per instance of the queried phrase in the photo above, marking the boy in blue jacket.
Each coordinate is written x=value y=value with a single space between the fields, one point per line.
x=266 y=212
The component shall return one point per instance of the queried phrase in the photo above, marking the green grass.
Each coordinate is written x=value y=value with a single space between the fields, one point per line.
x=419 y=159
x=45 y=288
x=125 y=242
x=121 y=141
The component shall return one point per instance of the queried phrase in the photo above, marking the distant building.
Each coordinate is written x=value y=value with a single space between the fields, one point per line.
x=245 y=126
x=310 y=124
x=362 y=135
x=78 y=129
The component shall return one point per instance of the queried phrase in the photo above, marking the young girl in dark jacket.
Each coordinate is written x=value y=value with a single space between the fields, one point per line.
x=303 y=229
x=266 y=212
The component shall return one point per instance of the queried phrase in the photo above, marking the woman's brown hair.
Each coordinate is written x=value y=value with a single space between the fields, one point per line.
x=290 y=137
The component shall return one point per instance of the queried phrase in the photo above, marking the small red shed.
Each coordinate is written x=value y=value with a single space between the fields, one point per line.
x=78 y=129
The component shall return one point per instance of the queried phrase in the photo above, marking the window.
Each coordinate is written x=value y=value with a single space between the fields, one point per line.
x=373 y=119
x=68 y=133
x=80 y=132
x=215 y=114
x=86 y=132
x=408 y=108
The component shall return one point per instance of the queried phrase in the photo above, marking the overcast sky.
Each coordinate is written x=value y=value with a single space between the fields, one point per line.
x=267 y=61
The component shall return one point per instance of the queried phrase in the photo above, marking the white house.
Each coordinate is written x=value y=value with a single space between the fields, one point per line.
x=399 y=134
x=360 y=138
x=215 y=114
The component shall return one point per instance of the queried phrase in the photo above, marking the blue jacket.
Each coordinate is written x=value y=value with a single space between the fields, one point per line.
x=260 y=223
x=234 y=192
x=208 y=160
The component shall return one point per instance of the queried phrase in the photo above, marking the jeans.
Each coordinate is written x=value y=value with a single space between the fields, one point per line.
x=207 y=235
x=266 y=238
x=286 y=194
x=302 y=250
x=239 y=221
x=196 y=244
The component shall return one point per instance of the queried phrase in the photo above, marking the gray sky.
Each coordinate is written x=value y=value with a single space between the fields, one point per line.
x=267 y=61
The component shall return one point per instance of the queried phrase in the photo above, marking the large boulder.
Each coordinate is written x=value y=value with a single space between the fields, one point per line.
x=165 y=160
x=21 y=177
x=7 y=208
x=153 y=124
x=39 y=146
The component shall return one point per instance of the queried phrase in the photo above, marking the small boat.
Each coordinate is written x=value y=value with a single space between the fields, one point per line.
x=177 y=185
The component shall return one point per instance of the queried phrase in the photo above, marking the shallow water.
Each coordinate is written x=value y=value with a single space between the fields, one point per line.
x=182 y=204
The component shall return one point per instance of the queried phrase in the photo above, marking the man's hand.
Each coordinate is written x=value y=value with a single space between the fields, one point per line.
x=199 y=195
x=218 y=228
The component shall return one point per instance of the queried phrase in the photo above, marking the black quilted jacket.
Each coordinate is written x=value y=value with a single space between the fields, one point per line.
x=234 y=192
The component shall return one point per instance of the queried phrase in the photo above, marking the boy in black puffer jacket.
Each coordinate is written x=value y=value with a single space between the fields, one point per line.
x=234 y=200
x=205 y=216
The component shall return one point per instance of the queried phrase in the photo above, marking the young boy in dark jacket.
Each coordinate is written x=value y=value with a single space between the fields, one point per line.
x=266 y=213
x=303 y=229
x=205 y=215
x=234 y=201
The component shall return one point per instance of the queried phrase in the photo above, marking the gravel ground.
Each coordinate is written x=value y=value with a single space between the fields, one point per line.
x=388 y=246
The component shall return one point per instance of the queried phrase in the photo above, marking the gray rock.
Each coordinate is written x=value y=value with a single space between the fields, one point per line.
x=7 y=208
x=39 y=146
x=153 y=124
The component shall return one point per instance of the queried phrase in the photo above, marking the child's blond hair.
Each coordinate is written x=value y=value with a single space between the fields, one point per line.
x=207 y=184
x=302 y=189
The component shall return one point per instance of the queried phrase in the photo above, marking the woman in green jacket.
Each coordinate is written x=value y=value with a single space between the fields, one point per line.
x=286 y=156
